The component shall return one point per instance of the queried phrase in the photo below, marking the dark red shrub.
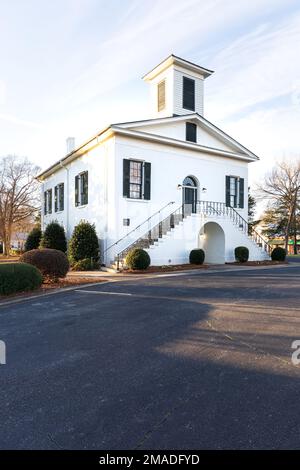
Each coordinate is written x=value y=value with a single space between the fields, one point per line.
x=52 y=264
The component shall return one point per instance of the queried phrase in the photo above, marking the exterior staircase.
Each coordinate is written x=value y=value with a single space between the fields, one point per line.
x=155 y=234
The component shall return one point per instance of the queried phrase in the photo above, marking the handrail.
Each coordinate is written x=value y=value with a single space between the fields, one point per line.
x=157 y=231
x=234 y=214
x=138 y=226
x=253 y=231
x=147 y=234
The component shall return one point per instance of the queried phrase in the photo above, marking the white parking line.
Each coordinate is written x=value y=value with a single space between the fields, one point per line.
x=101 y=292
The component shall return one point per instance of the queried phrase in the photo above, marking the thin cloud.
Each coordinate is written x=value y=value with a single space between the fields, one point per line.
x=258 y=67
x=20 y=122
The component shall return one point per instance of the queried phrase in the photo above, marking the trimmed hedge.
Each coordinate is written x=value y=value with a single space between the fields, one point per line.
x=53 y=264
x=33 y=240
x=137 y=259
x=197 y=256
x=83 y=243
x=241 y=254
x=18 y=277
x=278 y=254
x=54 y=237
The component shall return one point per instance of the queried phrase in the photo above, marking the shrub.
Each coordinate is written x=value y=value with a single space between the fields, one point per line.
x=54 y=237
x=278 y=254
x=18 y=277
x=83 y=243
x=86 y=264
x=138 y=259
x=197 y=256
x=33 y=240
x=241 y=254
x=53 y=264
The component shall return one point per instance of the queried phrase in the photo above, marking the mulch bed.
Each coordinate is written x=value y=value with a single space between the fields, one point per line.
x=166 y=269
x=47 y=287
x=257 y=263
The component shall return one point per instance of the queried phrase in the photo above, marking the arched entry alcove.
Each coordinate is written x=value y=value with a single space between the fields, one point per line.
x=212 y=241
x=190 y=193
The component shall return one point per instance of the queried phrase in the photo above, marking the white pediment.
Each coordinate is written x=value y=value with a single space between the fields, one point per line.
x=208 y=135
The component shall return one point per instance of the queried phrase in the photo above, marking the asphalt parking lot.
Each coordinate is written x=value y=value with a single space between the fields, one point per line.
x=196 y=360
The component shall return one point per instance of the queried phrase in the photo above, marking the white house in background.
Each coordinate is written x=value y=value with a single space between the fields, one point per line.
x=168 y=184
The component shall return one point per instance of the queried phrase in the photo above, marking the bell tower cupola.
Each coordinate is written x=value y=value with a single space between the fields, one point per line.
x=176 y=87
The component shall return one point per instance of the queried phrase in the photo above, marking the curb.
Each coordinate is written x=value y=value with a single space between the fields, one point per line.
x=54 y=291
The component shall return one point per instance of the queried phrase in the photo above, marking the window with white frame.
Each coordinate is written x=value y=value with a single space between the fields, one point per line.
x=235 y=192
x=48 y=202
x=135 y=180
x=81 y=189
x=59 y=197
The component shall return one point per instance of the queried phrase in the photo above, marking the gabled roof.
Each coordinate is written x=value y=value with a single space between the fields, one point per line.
x=175 y=60
x=204 y=122
x=128 y=129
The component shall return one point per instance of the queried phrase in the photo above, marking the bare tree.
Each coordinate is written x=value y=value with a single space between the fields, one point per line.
x=19 y=195
x=282 y=187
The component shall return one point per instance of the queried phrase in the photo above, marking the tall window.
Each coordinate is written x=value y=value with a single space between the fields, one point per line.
x=188 y=94
x=235 y=192
x=136 y=179
x=59 y=197
x=48 y=201
x=161 y=95
x=81 y=189
x=191 y=132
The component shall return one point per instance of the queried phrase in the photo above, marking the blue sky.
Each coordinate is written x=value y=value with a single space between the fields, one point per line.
x=70 y=67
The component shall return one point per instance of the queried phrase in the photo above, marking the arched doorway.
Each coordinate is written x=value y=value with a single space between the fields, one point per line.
x=189 y=194
x=212 y=241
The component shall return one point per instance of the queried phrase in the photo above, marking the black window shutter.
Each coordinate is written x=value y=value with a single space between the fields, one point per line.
x=188 y=92
x=191 y=132
x=62 y=197
x=55 y=198
x=77 y=190
x=50 y=202
x=45 y=202
x=241 y=194
x=147 y=181
x=227 y=193
x=126 y=178
x=85 y=187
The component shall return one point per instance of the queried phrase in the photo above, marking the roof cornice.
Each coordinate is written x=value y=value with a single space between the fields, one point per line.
x=124 y=129
x=180 y=143
x=175 y=60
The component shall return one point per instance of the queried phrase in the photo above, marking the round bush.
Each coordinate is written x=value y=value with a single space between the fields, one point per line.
x=241 y=254
x=33 y=240
x=18 y=277
x=54 y=237
x=53 y=264
x=138 y=259
x=197 y=256
x=278 y=254
x=83 y=243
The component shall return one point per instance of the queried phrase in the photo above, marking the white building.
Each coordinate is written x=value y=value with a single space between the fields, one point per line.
x=169 y=184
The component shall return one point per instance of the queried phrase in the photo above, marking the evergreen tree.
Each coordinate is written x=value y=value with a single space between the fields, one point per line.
x=84 y=243
x=34 y=238
x=54 y=237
